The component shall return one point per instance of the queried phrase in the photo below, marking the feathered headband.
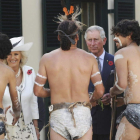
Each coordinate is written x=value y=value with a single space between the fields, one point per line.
x=70 y=14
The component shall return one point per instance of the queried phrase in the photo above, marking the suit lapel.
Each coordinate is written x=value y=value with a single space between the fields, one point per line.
x=106 y=68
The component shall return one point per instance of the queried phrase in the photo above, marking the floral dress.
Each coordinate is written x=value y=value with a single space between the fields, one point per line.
x=21 y=131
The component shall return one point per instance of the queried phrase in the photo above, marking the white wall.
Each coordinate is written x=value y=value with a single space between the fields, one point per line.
x=110 y=24
x=32 y=32
x=137 y=10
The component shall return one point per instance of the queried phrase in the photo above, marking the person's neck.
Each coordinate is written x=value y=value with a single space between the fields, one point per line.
x=131 y=42
x=16 y=69
x=1 y=60
x=99 y=54
x=73 y=47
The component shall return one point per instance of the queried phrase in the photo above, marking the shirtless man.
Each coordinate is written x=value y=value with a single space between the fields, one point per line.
x=69 y=70
x=127 y=62
x=7 y=76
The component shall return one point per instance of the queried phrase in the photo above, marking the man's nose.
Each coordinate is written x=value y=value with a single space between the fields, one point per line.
x=92 y=42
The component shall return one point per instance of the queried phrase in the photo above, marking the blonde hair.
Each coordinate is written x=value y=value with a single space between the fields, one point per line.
x=23 y=60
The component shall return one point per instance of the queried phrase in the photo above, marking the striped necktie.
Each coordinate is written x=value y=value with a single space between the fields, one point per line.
x=99 y=64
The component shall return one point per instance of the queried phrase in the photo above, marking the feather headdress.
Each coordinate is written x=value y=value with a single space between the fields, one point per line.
x=70 y=14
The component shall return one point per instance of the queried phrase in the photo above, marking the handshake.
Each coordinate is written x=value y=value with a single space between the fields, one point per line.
x=105 y=100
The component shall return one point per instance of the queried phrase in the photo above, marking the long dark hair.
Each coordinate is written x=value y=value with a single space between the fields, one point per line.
x=68 y=27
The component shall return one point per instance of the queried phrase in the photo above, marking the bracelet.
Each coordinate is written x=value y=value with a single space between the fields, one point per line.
x=36 y=127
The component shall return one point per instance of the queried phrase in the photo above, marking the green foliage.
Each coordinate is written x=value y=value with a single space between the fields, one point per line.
x=101 y=104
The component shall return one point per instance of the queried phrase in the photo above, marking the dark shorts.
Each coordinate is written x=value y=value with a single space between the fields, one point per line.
x=132 y=114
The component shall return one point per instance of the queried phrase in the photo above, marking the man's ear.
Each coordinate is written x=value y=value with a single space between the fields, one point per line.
x=77 y=37
x=58 y=37
x=130 y=35
x=104 y=41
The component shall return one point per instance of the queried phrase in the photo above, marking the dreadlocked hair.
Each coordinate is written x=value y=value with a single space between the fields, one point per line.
x=5 y=46
x=69 y=27
x=128 y=27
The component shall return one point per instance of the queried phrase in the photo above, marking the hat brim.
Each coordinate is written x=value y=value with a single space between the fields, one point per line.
x=24 y=47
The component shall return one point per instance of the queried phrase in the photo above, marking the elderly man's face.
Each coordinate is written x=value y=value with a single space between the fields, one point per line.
x=95 y=43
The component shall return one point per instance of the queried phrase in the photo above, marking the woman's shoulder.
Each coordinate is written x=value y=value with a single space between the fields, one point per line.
x=28 y=70
x=25 y=67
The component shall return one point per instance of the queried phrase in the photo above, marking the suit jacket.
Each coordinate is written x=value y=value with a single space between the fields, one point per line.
x=41 y=108
x=101 y=119
x=26 y=96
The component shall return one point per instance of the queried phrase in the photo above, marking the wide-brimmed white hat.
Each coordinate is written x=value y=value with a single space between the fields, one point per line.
x=18 y=44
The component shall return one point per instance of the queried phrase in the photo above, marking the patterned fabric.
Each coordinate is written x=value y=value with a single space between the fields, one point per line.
x=21 y=131
x=132 y=113
x=61 y=122
x=2 y=125
x=99 y=64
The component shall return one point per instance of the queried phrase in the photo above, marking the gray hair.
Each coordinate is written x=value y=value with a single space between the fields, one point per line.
x=95 y=28
x=23 y=60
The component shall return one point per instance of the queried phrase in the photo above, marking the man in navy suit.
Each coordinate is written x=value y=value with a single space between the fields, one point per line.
x=101 y=115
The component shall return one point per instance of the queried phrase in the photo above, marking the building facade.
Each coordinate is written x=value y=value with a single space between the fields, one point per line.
x=33 y=19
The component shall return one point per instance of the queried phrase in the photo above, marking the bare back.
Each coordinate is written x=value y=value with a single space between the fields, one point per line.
x=68 y=73
x=7 y=78
x=132 y=92
x=131 y=70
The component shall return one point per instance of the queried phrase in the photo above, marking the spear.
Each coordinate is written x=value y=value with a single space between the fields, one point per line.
x=113 y=113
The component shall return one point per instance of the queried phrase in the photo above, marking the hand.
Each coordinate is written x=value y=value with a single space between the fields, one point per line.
x=93 y=104
x=5 y=111
x=15 y=119
x=120 y=101
x=37 y=133
x=110 y=92
x=106 y=99
x=93 y=101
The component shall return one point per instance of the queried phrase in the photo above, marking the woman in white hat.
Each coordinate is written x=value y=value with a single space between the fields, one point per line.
x=27 y=126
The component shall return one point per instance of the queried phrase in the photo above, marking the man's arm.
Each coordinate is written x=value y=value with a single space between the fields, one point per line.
x=121 y=74
x=14 y=97
x=41 y=79
x=97 y=81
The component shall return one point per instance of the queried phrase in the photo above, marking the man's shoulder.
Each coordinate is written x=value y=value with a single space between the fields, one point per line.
x=125 y=51
x=6 y=70
x=83 y=52
x=50 y=54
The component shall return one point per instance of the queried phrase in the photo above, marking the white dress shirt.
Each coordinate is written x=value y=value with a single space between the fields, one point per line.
x=101 y=59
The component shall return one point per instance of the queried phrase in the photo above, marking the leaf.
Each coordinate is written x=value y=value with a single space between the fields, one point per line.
x=101 y=104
